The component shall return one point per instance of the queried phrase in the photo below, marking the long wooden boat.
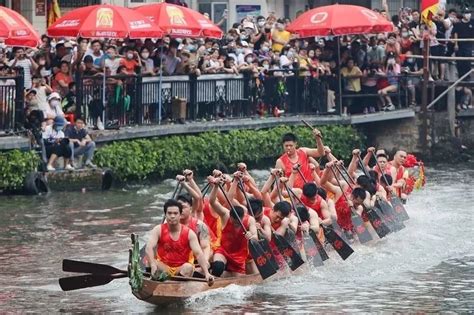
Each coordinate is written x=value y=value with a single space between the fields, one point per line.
x=171 y=291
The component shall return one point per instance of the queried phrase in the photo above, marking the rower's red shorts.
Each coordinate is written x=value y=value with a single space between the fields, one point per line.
x=232 y=264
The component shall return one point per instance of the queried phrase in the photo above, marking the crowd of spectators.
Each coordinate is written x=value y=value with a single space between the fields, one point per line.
x=370 y=64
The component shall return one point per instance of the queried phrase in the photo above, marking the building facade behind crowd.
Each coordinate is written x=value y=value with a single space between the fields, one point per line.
x=259 y=46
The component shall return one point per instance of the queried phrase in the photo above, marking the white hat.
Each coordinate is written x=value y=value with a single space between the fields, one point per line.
x=53 y=96
x=244 y=43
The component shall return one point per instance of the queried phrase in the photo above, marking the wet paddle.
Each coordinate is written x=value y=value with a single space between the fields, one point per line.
x=263 y=264
x=320 y=247
x=262 y=241
x=390 y=214
x=360 y=229
x=309 y=246
x=70 y=265
x=397 y=204
x=343 y=249
x=291 y=256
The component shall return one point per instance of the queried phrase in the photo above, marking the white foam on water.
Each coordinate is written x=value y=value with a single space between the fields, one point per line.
x=232 y=294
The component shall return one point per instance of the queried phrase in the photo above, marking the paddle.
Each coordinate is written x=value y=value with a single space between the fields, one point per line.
x=291 y=256
x=397 y=204
x=361 y=231
x=263 y=264
x=309 y=246
x=87 y=281
x=322 y=252
x=389 y=212
x=311 y=127
x=262 y=241
x=339 y=244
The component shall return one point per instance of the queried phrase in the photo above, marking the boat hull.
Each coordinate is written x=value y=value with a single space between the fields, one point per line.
x=168 y=292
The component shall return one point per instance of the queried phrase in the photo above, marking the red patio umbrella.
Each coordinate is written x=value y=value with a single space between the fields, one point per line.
x=108 y=21
x=178 y=21
x=16 y=30
x=337 y=20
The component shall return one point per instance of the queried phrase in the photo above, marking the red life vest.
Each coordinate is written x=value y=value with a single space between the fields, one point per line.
x=344 y=212
x=174 y=253
x=316 y=205
x=233 y=241
x=305 y=170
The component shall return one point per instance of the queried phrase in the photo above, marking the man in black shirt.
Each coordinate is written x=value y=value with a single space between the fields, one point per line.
x=80 y=142
x=464 y=29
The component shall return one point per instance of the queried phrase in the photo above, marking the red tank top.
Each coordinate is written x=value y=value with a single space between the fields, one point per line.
x=316 y=205
x=174 y=253
x=214 y=223
x=305 y=170
x=344 y=212
x=266 y=212
x=233 y=240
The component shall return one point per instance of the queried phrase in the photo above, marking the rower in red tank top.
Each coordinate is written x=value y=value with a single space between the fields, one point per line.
x=173 y=253
x=279 y=220
x=344 y=212
x=232 y=254
x=234 y=245
x=294 y=156
x=175 y=243
x=213 y=222
x=315 y=205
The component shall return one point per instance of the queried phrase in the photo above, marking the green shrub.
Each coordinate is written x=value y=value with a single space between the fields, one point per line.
x=139 y=159
x=14 y=166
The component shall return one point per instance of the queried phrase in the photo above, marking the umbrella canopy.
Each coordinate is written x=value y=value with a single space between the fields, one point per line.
x=16 y=30
x=109 y=21
x=337 y=20
x=179 y=21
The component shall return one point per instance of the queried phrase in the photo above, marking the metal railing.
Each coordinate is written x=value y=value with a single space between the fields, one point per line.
x=12 y=101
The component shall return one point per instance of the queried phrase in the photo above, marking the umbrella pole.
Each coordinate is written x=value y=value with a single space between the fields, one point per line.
x=103 y=98
x=160 y=100
x=339 y=74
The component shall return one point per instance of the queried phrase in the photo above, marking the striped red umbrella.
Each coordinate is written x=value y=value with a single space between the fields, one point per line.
x=178 y=21
x=338 y=20
x=110 y=21
x=16 y=30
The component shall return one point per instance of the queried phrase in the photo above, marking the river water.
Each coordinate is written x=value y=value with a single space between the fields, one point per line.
x=427 y=267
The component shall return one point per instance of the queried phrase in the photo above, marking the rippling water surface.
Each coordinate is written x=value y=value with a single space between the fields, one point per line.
x=427 y=267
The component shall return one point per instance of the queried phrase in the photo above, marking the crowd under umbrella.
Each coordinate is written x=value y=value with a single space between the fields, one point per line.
x=16 y=30
x=178 y=22
x=339 y=20
x=104 y=21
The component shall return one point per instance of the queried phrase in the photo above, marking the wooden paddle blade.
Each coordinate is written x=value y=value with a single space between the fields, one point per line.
x=268 y=252
x=291 y=256
x=319 y=246
x=377 y=223
x=264 y=265
x=338 y=243
x=87 y=281
x=399 y=208
x=311 y=251
x=290 y=236
x=87 y=267
x=360 y=229
x=395 y=223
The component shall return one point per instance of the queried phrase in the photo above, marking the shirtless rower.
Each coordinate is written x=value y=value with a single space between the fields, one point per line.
x=232 y=253
x=175 y=243
x=294 y=155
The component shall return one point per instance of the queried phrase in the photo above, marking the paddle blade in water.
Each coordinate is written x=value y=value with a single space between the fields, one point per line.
x=377 y=223
x=291 y=256
x=268 y=252
x=395 y=224
x=264 y=265
x=319 y=246
x=87 y=281
x=337 y=229
x=360 y=229
x=87 y=267
x=399 y=208
x=311 y=251
x=338 y=243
